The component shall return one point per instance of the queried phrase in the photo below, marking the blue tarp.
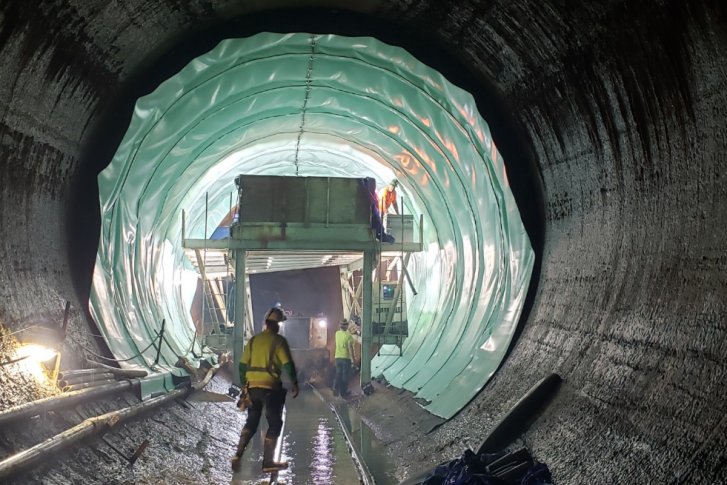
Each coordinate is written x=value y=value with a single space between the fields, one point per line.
x=221 y=233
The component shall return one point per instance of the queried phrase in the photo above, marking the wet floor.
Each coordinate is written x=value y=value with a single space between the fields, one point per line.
x=369 y=448
x=312 y=443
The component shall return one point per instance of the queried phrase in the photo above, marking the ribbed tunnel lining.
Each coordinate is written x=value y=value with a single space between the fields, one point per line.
x=370 y=110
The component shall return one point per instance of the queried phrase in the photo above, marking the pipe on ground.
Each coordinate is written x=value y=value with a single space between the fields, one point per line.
x=41 y=406
x=130 y=373
x=88 y=385
x=207 y=378
x=80 y=379
x=91 y=426
x=521 y=416
x=72 y=374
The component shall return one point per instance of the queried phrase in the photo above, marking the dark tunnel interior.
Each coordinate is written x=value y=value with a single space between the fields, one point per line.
x=611 y=116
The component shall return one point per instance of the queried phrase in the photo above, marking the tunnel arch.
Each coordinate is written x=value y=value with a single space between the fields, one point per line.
x=264 y=105
x=165 y=61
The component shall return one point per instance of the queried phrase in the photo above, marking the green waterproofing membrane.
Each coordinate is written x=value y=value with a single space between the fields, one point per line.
x=318 y=105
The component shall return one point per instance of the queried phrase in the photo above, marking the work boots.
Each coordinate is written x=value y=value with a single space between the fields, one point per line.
x=245 y=437
x=269 y=465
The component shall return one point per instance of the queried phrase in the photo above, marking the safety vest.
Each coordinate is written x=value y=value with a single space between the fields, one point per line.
x=265 y=355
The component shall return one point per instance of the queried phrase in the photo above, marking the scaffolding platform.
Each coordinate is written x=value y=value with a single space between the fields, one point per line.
x=289 y=223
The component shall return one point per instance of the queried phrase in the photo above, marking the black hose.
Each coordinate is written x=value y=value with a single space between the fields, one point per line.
x=521 y=416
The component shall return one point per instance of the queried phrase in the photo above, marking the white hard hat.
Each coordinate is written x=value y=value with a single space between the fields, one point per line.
x=275 y=314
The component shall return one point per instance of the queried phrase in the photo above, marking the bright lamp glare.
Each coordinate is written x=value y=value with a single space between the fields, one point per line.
x=322 y=323
x=37 y=353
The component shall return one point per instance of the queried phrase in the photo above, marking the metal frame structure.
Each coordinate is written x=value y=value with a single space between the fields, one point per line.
x=220 y=266
x=254 y=245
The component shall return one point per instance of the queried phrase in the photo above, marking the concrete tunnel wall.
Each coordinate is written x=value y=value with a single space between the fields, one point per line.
x=624 y=108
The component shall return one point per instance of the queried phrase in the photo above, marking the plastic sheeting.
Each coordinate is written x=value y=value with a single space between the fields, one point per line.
x=318 y=105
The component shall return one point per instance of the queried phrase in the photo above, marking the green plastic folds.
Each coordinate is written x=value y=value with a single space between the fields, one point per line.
x=364 y=109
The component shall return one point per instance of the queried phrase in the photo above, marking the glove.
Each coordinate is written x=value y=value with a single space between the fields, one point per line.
x=244 y=402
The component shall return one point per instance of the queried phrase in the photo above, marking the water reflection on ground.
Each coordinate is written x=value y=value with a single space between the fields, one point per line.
x=369 y=448
x=312 y=443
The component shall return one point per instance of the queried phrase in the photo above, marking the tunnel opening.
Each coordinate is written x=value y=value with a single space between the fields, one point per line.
x=524 y=182
x=82 y=216
x=314 y=105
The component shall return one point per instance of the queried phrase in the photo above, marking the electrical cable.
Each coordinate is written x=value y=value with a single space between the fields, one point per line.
x=43 y=326
x=3 y=364
x=18 y=331
x=113 y=360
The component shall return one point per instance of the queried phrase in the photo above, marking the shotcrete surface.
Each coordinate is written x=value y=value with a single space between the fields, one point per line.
x=188 y=443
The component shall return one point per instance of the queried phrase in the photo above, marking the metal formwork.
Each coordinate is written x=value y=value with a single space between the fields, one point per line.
x=286 y=223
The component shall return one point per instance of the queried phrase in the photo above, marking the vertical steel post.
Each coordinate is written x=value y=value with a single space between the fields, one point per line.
x=248 y=309
x=366 y=318
x=56 y=367
x=345 y=295
x=240 y=307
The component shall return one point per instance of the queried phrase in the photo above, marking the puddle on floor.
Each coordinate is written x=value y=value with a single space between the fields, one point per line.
x=312 y=443
x=369 y=448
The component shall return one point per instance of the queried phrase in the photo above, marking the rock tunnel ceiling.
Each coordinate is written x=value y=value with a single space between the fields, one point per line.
x=317 y=105
x=623 y=106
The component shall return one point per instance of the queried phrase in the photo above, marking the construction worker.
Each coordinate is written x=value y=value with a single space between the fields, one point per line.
x=344 y=357
x=387 y=198
x=369 y=185
x=265 y=355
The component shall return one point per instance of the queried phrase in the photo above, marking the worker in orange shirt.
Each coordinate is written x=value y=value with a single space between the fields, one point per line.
x=387 y=198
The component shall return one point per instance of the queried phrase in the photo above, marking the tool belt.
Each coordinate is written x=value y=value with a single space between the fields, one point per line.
x=245 y=402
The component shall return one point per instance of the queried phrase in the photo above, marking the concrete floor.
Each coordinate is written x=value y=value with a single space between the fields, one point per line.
x=312 y=444
x=190 y=443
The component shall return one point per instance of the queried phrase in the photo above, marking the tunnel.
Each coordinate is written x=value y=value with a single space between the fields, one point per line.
x=610 y=119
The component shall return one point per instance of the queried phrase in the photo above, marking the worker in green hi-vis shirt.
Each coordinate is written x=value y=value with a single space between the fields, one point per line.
x=263 y=359
x=344 y=357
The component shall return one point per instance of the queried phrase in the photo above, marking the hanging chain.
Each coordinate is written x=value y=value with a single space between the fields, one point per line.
x=308 y=81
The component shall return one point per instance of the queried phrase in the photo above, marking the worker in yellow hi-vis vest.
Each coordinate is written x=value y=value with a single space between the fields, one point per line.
x=344 y=358
x=263 y=359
